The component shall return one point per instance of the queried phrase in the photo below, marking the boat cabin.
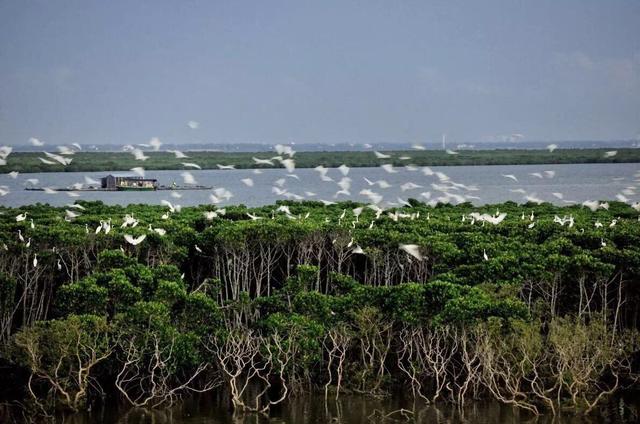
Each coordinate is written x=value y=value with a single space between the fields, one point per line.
x=114 y=182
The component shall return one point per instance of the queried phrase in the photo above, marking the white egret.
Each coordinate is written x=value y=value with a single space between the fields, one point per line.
x=191 y=165
x=178 y=154
x=411 y=249
x=289 y=164
x=344 y=169
x=139 y=155
x=155 y=143
x=226 y=167
x=188 y=178
x=388 y=168
x=381 y=155
x=134 y=241
x=259 y=161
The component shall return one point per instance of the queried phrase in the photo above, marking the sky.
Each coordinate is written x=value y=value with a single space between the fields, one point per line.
x=326 y=71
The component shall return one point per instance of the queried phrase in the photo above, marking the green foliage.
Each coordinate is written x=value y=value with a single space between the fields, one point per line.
x=170 y=292
x=83 y=297
x=200 y=314
x=114 y=259
x=478 y=305
x=300 y=330
x=7 y=292
x=62 y=353
x=295 y=283
x=122 y=293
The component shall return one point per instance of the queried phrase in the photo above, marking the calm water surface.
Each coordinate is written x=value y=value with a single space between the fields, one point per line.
x=353 y=409
x=578 y=182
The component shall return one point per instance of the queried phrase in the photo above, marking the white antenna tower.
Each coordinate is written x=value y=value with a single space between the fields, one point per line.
x=444 y=142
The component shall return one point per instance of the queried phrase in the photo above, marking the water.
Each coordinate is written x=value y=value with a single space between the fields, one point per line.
x=349 y=409
x=577 y=182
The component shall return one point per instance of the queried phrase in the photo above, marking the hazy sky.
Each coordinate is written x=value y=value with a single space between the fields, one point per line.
x=324 y=71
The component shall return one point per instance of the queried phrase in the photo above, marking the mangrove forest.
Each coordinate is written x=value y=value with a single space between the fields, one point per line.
x=532 y=305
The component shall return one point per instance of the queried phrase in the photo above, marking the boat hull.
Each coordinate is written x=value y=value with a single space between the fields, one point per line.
x=135 y=188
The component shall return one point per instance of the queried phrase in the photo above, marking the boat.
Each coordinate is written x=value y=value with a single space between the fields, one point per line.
x=129 y=183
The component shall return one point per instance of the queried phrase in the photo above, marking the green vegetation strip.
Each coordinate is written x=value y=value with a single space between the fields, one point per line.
x=120 y=161
x=543 y=318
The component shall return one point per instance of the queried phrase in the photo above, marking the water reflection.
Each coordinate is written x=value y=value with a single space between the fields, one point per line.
x=347 y=410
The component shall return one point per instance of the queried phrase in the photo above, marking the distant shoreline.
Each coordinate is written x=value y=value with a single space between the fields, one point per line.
x=29 y=162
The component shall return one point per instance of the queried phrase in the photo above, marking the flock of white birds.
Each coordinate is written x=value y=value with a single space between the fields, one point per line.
x=445 y=190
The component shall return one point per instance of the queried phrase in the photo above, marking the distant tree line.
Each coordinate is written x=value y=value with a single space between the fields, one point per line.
x=122 y=161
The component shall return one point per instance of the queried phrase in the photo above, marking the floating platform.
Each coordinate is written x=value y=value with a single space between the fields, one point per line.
x=159 y=188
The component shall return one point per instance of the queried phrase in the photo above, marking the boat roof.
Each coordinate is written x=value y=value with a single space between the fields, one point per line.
x=137 y=177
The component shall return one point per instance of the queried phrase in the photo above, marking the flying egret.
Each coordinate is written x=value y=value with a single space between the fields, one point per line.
x=178 y=154
x=289 y=164
x=155 y=143
x=409 y=186
x=388 y=168
x=591 y=204
x=139 y=155
x=134 y=241
x=411 y=249
x=259 y=161
x=191 y=165
x=188 y=178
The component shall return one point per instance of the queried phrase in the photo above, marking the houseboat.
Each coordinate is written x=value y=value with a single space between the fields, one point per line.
x=129 y=183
